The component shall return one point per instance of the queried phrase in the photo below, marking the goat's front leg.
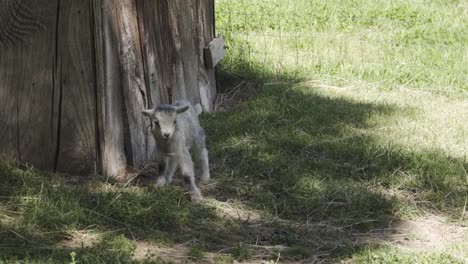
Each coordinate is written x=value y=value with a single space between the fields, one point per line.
x=169 y=166
x=187 y=170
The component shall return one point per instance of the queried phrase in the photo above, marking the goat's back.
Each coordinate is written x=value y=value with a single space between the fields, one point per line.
x=188 y=123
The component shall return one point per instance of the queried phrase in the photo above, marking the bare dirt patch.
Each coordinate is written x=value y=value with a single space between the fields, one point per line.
x=430 y=233
x=146 y=250
x=81 y=239
x=235 y=211
x=421 y=234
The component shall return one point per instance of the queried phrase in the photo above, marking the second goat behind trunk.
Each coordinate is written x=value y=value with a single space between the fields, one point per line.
x=179 y=136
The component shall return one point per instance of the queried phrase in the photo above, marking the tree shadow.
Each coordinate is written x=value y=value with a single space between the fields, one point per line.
x=303 y=158
x=297 y=158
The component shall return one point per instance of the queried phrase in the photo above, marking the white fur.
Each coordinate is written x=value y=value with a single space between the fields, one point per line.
x=175 y=142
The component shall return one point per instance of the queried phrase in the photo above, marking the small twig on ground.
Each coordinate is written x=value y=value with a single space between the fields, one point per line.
x=464 y=210
x=233 y=90
x=233 y=94
x=130 y=180
x=22 y=237
x=128 y=226
x=274 y=247
x=278 y=258
x=185 y=243
x=271 y=249
x=224 y=249
x=115 y=199
x=358 y=223
x=278 y=83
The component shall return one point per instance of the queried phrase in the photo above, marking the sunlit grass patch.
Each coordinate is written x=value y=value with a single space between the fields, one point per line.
x=390 y=254
x=351 y=122
x=416 y=44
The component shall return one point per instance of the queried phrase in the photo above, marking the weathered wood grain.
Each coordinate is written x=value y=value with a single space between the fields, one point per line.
x=188 y=23
x=9 y=147
x=189 y=49
x=136 y=134
x=172 y=46
x=207 y=77
x=158 y=50
x=26 y=82
x=77 y=133
x=72 y=90
x=112 y=159
x=37 y=131
x=18 y=20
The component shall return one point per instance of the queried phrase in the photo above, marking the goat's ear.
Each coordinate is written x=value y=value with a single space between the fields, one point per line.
x=182 y=109
x=148 y=112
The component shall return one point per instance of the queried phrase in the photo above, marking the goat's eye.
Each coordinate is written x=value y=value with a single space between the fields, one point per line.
x=156 y=122
x=175 y=122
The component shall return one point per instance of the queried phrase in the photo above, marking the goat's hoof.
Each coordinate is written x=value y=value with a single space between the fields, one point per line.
x=160 y=182
x=204 y=180
x=196 y=198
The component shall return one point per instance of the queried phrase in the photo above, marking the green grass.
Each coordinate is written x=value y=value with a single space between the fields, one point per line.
x=415 y=44
x=390 y=255
x=196 y=253
x=357 y=120
x=305 y=146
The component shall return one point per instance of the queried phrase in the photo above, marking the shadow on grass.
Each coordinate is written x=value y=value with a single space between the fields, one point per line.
x=295 y=156
x=40 y=214
x=302 y=158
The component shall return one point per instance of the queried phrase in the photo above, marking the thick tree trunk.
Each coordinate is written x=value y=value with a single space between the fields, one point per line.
x=28 y=94
x=75 y=75
x=109 y=96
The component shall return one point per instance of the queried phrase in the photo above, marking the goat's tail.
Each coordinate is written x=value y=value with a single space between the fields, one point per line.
x=198 y=109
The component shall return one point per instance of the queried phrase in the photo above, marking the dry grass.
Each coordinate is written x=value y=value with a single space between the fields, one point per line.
x=348 y=144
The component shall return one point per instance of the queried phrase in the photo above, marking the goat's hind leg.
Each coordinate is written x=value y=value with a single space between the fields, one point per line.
x=187 y=170
x=201 y=155
x=204 y=165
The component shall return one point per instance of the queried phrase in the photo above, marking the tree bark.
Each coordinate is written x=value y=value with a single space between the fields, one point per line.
x=75 y=76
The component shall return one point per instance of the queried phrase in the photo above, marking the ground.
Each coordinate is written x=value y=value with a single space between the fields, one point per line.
x=340 y=136
x=351 y=193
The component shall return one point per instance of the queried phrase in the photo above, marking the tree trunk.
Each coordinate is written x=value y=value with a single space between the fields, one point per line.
x=75 y=75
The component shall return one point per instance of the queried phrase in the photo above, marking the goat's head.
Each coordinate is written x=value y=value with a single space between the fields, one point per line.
x=164 y=119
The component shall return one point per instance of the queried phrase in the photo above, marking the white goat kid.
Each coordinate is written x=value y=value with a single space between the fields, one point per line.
x=177 y=131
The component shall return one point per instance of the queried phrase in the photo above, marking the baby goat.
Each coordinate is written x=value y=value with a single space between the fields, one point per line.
x=177 y=131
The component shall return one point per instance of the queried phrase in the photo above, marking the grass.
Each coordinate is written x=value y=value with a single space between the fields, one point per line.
x=414 y=44
x=361 y=110
x=346 y=119
x=331 y=144
x=390 y=255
